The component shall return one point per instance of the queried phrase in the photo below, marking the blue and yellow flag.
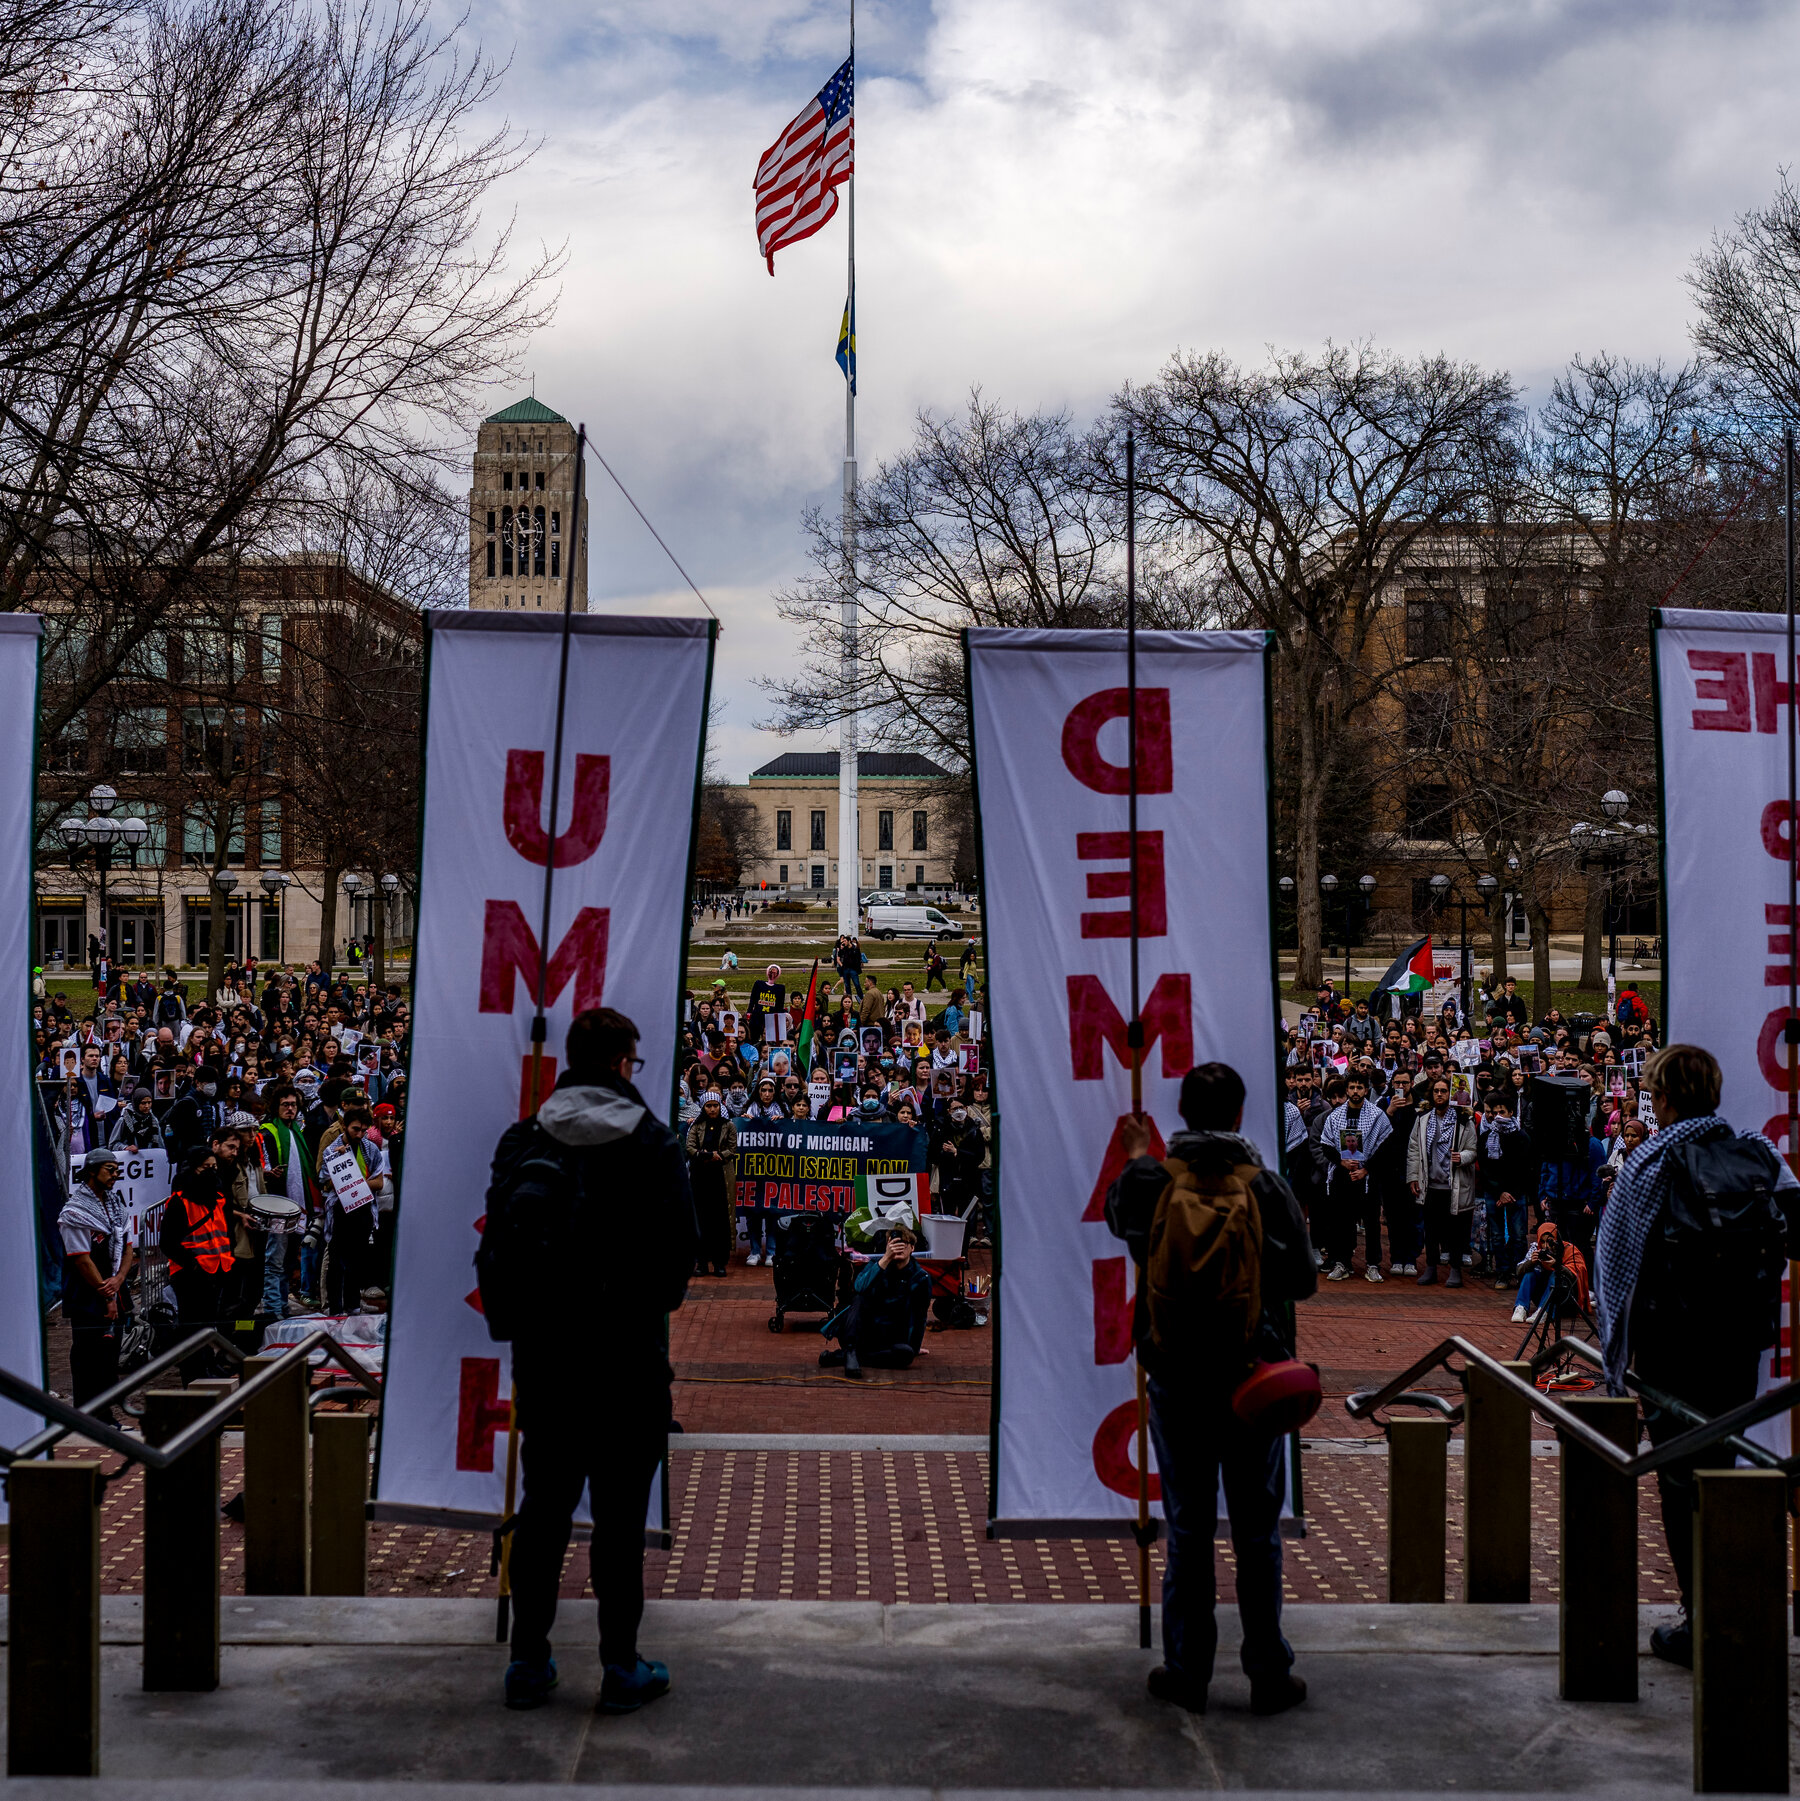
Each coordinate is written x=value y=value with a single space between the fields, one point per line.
x=846 y=349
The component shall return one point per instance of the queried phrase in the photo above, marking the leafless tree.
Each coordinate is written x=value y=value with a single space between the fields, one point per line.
x=1296 y=493
x=255 y=267
x=990 y=517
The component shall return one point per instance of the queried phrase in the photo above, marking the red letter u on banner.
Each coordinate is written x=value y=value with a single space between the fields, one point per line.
x=525 y=830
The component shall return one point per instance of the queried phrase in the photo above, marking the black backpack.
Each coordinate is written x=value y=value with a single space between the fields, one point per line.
x=530 y=1231
x=1715 y=1261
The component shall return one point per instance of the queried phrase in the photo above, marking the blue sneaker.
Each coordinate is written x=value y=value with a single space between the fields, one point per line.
x=529 y=1684
x=625 y=1690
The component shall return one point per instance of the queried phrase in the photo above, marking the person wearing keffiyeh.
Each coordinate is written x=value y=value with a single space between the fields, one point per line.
x=1712 y=1372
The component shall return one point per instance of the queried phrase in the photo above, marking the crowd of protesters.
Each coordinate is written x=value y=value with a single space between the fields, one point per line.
x=1422 y=1127
x=281 y=1106
x=909 y=1053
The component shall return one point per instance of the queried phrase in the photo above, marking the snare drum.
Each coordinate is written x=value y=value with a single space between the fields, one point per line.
x=275 y=1212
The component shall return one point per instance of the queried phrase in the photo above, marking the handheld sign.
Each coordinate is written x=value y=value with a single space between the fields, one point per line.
x=347 y=1180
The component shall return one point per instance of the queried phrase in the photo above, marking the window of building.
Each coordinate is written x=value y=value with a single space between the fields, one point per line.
x=818 y=830
x=919 y=834
x=207 y=655
x=271 y=834
x=1514 y=616
x=884 y=831
x=885 y=877
x=268 y=748
x=919 y=873
x=1428 y=811
x=784 y=830
x=506 y=541
x=555 y=545
x=506 y=480
x=782 y=875
x=148 y=660
x=818 y=875
x=1429 y=622
x=1429 y=720
x=212 y=741
x=540 y=476
x=537 y=549
x=65 y=649
x=271 y=647
x=140 y=741
x=66 y=753
x=198 y=828
x=490 y=543
x=156 y=847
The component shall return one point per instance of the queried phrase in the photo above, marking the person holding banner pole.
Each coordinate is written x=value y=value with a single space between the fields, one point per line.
x=1221 y=1253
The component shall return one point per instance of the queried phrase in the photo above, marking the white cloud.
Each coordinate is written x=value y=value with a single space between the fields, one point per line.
x=1054 y=195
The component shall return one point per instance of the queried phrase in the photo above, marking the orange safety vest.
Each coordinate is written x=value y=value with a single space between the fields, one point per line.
x=207 y=1240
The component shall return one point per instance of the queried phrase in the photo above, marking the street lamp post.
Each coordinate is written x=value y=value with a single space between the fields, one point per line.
x=353 y=886
x=96 y=838
x=1602 y=848
x=274 y=885
x=389 y=886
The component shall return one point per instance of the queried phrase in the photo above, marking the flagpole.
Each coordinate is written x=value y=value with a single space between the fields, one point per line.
x=849 y=849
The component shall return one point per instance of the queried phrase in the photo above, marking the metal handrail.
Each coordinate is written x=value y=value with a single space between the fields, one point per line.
x=1723 y=1429
x=214 y=1419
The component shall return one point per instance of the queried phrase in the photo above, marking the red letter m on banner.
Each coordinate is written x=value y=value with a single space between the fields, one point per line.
x=509 y=947
x=1094 y=1021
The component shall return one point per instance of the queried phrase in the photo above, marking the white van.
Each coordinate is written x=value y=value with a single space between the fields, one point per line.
x=911 y=922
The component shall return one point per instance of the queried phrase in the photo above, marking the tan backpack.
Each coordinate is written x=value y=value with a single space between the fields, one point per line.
x=1203 y=1272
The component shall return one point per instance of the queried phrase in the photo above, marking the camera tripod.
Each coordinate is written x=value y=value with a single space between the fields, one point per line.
x=1546 y=1326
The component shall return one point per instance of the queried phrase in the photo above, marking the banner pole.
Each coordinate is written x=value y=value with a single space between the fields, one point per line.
x=539 y=1025
x=1134 y=1032
x=1791 y=1026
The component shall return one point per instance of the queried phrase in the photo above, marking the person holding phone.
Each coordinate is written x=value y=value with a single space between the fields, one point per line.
x=1440 y=1171
x=884 y=1324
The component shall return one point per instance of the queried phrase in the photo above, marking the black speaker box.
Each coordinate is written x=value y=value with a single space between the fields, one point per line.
x=1558 y=1109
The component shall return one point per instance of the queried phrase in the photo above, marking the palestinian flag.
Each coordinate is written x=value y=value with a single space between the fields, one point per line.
x=1409 y=973
x=808 y=1021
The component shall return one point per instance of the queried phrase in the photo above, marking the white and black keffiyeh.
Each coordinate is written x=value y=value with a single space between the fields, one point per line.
x=1639 y=1194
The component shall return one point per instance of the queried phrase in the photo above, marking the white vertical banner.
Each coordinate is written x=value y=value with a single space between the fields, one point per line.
x=1727 y=838
x=1050 y=721
x=1721 y=690
x=623 y=843
x=21 y=1311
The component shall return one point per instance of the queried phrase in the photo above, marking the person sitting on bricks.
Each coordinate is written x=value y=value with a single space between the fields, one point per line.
x=1693 y=1243
x=589 y=1240
x=884 y=1324
x=1221 y=1251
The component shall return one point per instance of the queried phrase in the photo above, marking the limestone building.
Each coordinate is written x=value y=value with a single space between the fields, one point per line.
x=521 y=510
x=903 y=827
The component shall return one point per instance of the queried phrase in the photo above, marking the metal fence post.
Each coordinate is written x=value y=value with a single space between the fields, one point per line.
x=1598 y=1559
x=1418 y=1452
x=276 y=1488
x=340 y=1500
x=1496 y=1489
x=1740 y=1633
x=53 y=1654
x=181 y=1550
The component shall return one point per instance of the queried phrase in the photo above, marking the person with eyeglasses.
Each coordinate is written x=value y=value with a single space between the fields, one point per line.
x=590 y=1238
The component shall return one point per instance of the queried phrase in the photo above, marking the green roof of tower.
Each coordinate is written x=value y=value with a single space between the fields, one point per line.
x=530 y=411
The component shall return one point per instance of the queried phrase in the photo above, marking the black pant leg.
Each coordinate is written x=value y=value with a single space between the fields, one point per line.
x=1713 y=1381
x=93 y=1365
x=553 y=1467
x=621 y=1503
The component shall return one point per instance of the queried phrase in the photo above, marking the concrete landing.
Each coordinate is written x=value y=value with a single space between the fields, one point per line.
x=862 y=1696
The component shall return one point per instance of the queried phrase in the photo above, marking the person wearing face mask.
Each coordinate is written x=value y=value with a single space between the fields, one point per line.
x=195 y=1117
x=712 y=1158
x=960 y=1146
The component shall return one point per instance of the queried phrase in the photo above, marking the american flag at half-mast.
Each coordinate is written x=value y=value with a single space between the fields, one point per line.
x=799 y=175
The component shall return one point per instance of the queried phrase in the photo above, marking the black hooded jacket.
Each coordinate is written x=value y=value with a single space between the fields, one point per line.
x=616 y=1256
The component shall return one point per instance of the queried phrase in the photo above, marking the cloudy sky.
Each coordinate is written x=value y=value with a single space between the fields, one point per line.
x=1052 y=195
